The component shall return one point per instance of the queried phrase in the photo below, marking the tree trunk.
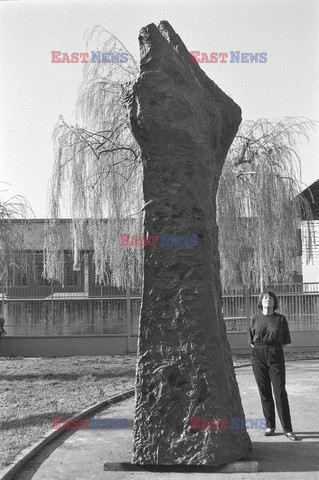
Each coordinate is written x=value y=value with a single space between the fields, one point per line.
x=184 y=124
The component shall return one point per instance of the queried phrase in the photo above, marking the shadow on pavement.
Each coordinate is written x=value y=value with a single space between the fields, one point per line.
x=128 y=467
x=287 y=456
x=304 y=435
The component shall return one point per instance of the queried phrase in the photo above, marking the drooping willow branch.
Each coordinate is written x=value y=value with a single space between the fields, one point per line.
x=13 y=211
x=98 y=174
x=259 y=206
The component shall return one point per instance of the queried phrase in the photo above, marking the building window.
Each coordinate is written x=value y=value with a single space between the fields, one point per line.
x=72 y=277
x=107 y=275
x=38 y=271
x=18 y=277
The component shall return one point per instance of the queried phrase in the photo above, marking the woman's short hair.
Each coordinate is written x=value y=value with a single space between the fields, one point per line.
x=271 y=294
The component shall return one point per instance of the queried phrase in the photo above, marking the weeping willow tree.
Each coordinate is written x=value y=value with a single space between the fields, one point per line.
x=12 y=257
x=98 y=174
x=259 y=206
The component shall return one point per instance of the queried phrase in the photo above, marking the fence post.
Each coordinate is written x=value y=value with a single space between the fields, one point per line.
x=247 y=306
x=101 y=310
x=52 y=309
x=5 y=307
x=2 y=311
x=128 y=317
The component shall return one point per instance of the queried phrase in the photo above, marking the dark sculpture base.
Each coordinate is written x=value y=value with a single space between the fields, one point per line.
x=235 y=467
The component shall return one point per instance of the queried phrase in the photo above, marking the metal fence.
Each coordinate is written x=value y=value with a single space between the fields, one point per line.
x=117 y=312
x=298 y=302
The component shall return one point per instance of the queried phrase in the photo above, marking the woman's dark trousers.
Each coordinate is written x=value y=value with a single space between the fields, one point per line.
x=269 y=369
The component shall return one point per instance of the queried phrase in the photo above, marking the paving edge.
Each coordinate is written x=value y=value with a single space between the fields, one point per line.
x=29 y=452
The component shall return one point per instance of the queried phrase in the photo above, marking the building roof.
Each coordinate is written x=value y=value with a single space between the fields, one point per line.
x=32 y=232
x=312 y=195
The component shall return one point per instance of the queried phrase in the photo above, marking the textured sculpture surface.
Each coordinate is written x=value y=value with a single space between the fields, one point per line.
x=184 y=124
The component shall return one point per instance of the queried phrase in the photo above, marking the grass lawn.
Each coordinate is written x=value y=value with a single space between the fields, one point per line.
x=33 y=390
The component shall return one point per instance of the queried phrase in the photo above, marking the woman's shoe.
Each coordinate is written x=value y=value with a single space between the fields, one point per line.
x=291 y=436
x=269 y=432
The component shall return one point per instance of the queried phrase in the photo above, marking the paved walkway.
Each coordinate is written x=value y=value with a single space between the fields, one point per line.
x=81 y=454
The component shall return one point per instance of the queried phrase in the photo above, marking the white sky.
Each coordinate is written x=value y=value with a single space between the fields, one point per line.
x=34 y=92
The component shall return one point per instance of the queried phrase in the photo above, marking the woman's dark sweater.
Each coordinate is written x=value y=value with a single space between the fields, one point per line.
x=269 y=329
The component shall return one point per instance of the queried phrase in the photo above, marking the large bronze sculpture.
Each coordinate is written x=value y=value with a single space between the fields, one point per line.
x=184 y=124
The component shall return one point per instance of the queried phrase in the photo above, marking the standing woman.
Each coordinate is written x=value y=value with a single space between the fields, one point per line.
x=268 y=335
